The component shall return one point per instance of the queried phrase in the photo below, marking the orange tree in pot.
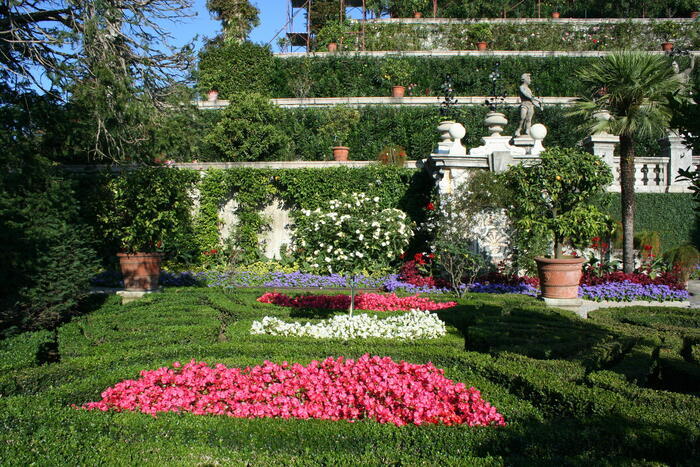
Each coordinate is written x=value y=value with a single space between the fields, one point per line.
x=147 y=209
x=338 y=123
x=553 y=198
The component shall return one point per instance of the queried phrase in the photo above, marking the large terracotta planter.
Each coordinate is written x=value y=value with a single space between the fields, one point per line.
x=398 y=91
x=213 y=95
x=555 y=15
x=340 y=153
x=140 y=270
x=332 y=46
x=694 y=14
x=559 y=278
x=417 y=14
x=667 y=46
x=482 y=46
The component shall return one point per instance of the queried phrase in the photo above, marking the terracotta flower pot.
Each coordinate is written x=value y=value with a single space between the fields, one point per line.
x=213 y=95
x=398 y=91
x=140 y=270
x=694 y=14
x=332 y=46
x=481 y=46
x=340 y=153
x=417 y=14
x=555 y=15
x=667 y=46
x=559 y=278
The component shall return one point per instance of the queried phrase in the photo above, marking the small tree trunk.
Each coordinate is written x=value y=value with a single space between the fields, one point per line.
x=558 y=249
x=352 y=295
x=627 y=176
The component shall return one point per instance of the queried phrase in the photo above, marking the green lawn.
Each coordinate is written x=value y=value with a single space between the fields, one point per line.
x=619 y=388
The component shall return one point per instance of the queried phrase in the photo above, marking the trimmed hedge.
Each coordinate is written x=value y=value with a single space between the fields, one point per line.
x=669 y=214
x=558 y=410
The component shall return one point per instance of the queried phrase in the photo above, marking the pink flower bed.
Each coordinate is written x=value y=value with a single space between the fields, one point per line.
x=367 y=301
x=335 y=389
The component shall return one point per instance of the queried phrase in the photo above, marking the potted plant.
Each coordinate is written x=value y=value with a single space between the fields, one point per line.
x=408 y=8
x=147 y=208
x=481 y=34
x=212 y=95
x=667 y=30
x=397 y=72
x=332 y=34
x=554 y=198
x=338 y=123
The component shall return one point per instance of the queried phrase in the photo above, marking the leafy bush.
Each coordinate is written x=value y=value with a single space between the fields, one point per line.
x=248 y=130
x=233 y=67
x=149 y=209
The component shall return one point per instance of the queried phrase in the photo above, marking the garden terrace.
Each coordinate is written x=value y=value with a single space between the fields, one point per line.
x=616 y=388
x=525 y=34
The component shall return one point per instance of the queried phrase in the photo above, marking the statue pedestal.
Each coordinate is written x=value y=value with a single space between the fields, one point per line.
x=603 y=145
x=496 y=144
x=680 y=157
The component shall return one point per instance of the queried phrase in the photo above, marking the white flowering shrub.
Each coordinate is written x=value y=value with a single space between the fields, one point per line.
x=416 y=324
x=351 y=234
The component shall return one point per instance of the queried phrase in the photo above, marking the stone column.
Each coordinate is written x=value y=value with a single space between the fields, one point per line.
x=680 y=157
x=603 y=145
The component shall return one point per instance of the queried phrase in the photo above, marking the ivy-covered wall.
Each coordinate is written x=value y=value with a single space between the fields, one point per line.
x=669 y=214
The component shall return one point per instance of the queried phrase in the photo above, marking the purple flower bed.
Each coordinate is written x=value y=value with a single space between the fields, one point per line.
x=523 y=289
x=628 y=291
x=625 y=291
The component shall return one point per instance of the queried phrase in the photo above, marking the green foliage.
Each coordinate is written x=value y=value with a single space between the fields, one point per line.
x=553 y=196
x=233 y=68
x=685 y=257
x=406 y=8
x=333 y=31
x=397 y=71
x=238 y=17
x=248 y=130
x=669 y=214
x=351 y=234
x=549 y=36
x=149 y=209
x=46 y=261
x=338 y=122
x=568 y=395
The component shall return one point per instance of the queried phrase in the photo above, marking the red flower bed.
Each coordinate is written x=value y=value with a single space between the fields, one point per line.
x=410 y=272
x=368 y=301
x=335 y=389
x=669 y=278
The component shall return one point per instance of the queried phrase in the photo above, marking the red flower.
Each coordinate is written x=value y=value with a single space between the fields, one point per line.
x=402 y=255
x=431 y=256
x=595 y=239
x=647 y=247
x=430 y=207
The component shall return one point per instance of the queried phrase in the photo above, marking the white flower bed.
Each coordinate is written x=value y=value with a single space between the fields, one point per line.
x=415 y=324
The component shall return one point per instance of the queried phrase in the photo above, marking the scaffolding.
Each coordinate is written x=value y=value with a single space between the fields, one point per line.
x=305 y=38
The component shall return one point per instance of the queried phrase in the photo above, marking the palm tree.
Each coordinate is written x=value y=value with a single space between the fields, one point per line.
x=635 y=88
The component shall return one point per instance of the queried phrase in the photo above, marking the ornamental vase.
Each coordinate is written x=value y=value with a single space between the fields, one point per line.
x=140 y=271
x=340 y=153
x=559 y=277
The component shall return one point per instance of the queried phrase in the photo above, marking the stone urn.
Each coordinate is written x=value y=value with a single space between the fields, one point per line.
x=340 y=153
x=559 y=277
x=140 y=271
x=495 y=121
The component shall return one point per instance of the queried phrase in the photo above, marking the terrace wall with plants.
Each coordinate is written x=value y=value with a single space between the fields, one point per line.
x=528 y=36
x=351 y=75
x=240 y=195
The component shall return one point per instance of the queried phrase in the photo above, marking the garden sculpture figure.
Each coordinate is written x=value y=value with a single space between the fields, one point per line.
x=683 y=76
x=528 y=102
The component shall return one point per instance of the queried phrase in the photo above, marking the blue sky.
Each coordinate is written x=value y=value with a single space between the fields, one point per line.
x=273 y=17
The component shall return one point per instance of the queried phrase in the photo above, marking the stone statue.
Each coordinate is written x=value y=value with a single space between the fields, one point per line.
x=683 y=76
x=528 y=102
